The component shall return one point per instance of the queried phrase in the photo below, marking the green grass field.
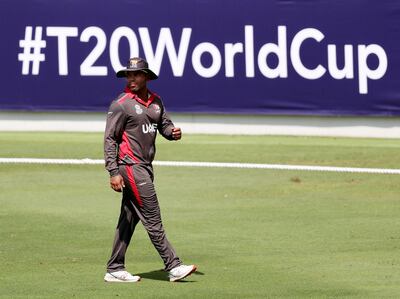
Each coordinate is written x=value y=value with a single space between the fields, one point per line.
x=253 y=233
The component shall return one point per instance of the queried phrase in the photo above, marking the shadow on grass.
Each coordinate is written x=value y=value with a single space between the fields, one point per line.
x=163 y=275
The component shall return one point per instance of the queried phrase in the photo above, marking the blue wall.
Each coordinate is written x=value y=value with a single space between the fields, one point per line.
x=265 y=57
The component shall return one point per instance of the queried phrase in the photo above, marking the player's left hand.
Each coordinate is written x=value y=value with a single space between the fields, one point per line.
x=176 y=133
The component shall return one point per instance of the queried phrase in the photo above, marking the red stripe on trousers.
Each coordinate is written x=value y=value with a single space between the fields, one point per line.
x=129 y=171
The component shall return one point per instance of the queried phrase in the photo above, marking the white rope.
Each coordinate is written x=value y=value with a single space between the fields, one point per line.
x=278 y=167
x=208 y=164
x=50 y=161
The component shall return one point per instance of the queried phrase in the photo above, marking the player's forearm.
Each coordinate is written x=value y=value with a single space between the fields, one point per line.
x=166 y=131
x=110 y=156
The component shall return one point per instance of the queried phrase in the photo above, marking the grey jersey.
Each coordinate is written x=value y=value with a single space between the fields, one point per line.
x=131 y=130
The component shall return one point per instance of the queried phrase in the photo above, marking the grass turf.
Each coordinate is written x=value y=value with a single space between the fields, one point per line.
x=253 y=233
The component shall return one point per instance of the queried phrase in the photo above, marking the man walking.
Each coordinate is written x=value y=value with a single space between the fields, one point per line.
x=129 y=149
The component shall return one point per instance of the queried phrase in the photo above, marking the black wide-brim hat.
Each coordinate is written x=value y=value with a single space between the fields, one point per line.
x=137 y=64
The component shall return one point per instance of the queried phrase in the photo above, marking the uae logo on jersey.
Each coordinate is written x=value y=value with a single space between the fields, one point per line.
x=149 y=128
x=157 y=108
x=139 y=110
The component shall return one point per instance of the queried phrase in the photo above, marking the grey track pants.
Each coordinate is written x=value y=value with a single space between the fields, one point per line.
x=139 y=202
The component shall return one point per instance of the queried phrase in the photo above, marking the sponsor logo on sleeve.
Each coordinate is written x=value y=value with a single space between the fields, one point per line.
x=157 y=108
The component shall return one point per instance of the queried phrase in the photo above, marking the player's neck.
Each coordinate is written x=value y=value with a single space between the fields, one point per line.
x=143 y=94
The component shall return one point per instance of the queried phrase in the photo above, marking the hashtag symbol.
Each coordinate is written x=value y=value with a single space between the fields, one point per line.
x=28 y=44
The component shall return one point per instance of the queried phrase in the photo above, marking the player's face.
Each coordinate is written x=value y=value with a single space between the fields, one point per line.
x=136 y=81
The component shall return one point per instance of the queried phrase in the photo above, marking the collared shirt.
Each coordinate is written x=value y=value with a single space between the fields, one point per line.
x=131 y=130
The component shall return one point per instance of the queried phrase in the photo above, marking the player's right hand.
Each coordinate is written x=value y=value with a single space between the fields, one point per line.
x=176 y=133
x=117 y=183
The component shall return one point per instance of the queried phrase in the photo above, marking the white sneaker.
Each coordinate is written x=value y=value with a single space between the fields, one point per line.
x=121 y=276
x=181 y=272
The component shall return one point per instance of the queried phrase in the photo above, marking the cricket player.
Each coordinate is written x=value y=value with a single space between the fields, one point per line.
x=129 y=148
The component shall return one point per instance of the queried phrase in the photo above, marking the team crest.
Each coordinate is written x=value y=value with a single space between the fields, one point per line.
x=133 y=63
x=139 y=110
x=157 y=108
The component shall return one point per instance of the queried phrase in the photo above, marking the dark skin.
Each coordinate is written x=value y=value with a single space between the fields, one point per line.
x=137 y=83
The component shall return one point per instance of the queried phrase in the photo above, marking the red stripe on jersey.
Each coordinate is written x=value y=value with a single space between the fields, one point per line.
x=154 y=94
x=143 y=102
x=124 y=98
x=125 y=148
x=149 y=101
x=131 y=178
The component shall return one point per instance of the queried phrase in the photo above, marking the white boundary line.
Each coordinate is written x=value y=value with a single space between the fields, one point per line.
x=207 y=164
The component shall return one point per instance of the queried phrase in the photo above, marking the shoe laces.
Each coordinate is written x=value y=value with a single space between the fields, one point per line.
x=123 y=275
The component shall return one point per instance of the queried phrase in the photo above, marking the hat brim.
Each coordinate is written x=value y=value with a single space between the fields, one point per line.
x=150 y=73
